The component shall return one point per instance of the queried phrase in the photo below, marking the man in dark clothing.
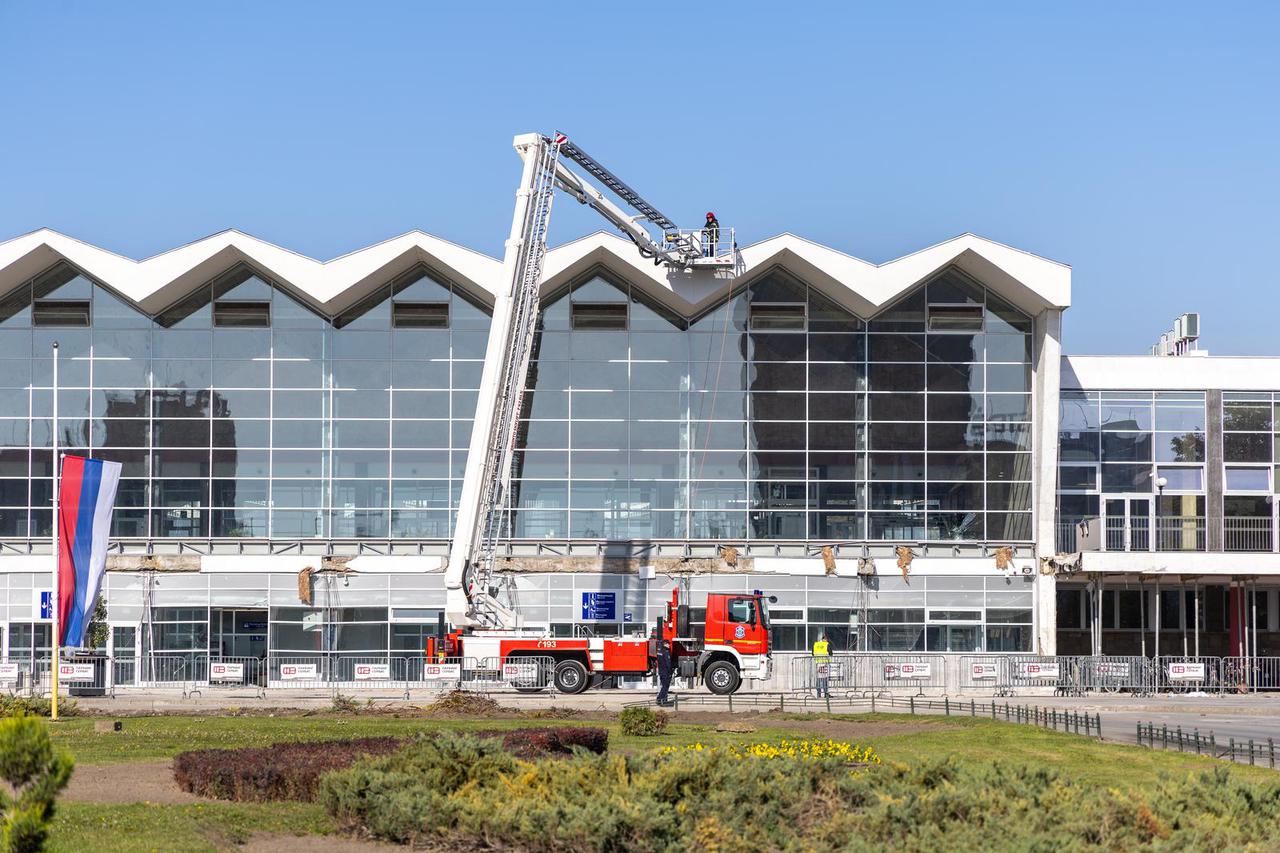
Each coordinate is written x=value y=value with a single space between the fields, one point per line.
x=664 y=671
x=710 y=235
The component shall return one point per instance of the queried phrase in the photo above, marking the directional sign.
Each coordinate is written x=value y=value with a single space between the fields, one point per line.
x=599 y=606
x=44 y=603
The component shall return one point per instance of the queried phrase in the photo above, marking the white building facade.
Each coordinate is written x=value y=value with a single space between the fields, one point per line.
x=895 y=451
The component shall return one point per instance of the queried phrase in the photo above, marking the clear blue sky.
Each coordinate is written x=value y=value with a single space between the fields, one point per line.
x=1136 y=141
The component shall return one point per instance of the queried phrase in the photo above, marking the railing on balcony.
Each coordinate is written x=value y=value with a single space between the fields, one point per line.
x=1169 y=533
x=1180 y=533
x=1247 y=534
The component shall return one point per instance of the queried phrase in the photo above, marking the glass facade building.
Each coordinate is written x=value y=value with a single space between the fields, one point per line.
x=776 y=415
x=819 y=418
x=240 y=413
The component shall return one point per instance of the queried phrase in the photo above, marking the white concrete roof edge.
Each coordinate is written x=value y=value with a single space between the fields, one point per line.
x=1169 y=373
x=869 y=286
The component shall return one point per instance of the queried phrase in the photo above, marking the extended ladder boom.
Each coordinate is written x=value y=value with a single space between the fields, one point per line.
x=469 y=601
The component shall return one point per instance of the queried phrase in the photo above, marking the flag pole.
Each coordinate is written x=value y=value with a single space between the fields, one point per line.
x=57 y=567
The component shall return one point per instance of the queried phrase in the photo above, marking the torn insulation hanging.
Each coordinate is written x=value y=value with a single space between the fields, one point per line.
x=304 y=585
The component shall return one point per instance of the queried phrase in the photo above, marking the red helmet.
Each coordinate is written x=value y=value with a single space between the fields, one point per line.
x=710 y=215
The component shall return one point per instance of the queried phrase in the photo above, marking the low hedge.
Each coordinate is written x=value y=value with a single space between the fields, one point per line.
x=465 y=791
x=292 y=771
x=282 y=771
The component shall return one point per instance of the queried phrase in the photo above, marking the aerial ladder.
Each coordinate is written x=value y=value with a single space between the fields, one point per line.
x=470 y=597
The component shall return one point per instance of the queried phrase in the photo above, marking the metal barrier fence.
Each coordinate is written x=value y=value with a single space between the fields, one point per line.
x=846 y=674
x=1250 y=674
x=1011 y=674
x=1116 y=673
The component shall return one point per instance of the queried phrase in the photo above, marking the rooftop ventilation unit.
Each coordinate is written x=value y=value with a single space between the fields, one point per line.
x=1182 y=339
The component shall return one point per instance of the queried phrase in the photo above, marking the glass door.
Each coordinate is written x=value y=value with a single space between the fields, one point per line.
x=1127 y=522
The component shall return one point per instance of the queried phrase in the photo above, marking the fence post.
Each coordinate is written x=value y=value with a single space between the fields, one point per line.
x=946 y=704
x=827 y=697
x=1098 y=723
x=972 y=709
x=913 y=705
x=993 y=709
x=1213 y=744
x=1271 y=751
x=873 y=703
x=1232 y=741
x=1165 y=732
x=1250 y=752
x=1180 y=739
x=1197 y=741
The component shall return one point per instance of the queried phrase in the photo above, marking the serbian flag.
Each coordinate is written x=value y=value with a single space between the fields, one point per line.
x=85 y=499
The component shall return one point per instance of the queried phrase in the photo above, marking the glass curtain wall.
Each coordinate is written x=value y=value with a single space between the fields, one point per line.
x=1249 y=439
x=1135 y=459
x=777 y=416
x=239 y=412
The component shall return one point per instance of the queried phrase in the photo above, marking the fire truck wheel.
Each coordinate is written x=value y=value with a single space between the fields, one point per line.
x=722 y=678
x=571 y=677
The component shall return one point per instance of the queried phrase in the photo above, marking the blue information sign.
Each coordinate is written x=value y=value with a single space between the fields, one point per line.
x=46 y=605
x=599 y=606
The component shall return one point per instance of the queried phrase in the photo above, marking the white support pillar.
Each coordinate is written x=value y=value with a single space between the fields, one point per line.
x=1047 y=366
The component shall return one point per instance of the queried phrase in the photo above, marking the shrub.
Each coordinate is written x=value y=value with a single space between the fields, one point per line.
x=642 y=722
x=283 y=771
x=537 y=743
x=343 y=704
x=35 y=706
x=466 y=792
x=35 y=774
x=291 y=771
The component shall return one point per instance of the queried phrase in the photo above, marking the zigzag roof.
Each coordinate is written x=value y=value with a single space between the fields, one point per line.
x=1030 y=282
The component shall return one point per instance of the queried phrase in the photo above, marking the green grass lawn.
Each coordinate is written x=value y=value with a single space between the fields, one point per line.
x=213 y=826
x=201 y=827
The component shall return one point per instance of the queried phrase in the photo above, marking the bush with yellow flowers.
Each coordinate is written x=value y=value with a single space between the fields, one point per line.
x=464 y=793
x=808 y=749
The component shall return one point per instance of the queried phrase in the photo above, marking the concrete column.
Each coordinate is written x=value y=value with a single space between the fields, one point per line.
x=1046 y=614
x=1213 y=471
x=1047 y=371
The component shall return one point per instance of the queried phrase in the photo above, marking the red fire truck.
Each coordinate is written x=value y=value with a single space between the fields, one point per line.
x=734 y=646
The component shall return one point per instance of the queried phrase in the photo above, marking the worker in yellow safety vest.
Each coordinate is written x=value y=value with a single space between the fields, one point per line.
x=822 y=664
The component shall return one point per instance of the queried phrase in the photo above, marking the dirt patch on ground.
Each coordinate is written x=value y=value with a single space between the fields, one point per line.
x=313 y=844
x=128 y=782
